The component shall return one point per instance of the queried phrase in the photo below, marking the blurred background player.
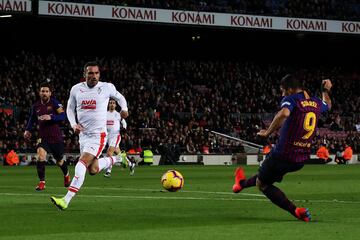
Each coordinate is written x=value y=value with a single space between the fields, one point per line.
x=114 y=124
x=48 y=112
x=298 y=120
x=86 y=111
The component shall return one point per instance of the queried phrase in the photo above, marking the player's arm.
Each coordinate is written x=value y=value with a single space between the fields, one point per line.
x=123 y=123
x=30 y=124
x=60 y=113
x=58 y=117
x=325 y=89
x=276 y=123
x=120 y=99
x=70 y=112
x=286 y=105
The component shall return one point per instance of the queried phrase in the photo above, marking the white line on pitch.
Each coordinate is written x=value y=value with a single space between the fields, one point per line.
x=179 y=198
x=138 y=197
x=186 y=191
x=146 y=190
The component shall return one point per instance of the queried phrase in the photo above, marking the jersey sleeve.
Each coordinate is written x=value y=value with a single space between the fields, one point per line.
x=60 y=114
x=119 y=98
x=71 y=105
x=123 y=123
x=288 y=102
x=324 y=107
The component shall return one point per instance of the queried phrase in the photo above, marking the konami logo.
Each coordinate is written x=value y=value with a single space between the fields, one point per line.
x=88 y=104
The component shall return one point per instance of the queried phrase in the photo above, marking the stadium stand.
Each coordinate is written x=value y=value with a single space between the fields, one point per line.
x=173 y=101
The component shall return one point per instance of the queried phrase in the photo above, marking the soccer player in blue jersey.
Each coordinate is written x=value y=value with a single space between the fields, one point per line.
x=48 y=113
x=297 y=119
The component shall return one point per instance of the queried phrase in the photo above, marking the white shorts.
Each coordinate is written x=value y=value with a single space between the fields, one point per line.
x=92 y=143
x=114 y=140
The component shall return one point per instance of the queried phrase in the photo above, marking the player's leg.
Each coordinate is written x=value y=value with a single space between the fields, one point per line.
x=90 y=148
x=57 y=150
x=103 y=163
x=132 y=165
x=110 y=152
x=40 y=167
x=241 y=181
x=79 y=177
x=273 y=171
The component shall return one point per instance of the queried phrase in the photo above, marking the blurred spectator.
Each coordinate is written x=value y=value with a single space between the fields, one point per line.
x=231 y=97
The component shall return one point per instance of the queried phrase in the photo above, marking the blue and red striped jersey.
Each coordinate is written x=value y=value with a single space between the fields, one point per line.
x=298 y=130
x=49 y=131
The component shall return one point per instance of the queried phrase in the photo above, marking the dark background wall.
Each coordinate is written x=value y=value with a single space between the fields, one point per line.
x=92 y=37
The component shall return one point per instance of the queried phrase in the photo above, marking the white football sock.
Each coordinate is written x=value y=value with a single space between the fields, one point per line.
x=77 y=181
x=106 y=162
x=109 y=169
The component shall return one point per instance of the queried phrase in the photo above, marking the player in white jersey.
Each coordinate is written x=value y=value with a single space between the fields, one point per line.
x=114 y=124
x=88 y=101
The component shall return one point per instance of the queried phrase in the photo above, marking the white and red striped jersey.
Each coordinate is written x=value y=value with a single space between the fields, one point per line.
x=90 y=105
x=114 y=122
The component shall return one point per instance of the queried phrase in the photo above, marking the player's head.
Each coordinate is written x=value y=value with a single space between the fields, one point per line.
x=91 y=73
x=290 y=85
x=45 y=91
x=112 y=105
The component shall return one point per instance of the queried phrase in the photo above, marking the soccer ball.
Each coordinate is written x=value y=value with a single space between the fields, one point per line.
x=172 y=180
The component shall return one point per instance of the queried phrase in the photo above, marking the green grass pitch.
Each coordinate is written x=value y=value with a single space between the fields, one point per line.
x=135 y=207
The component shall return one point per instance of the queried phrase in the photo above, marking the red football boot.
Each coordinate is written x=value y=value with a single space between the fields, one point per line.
x=40 y=186
x=303 y=214
x=67 y=181
x=239 y=175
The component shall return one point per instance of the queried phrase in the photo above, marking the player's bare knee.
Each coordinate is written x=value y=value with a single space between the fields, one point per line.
x=93 y=171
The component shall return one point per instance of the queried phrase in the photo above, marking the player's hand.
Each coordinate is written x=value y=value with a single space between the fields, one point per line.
x=27 y=135
x=77 y=128
x=327 y=84
x=124 y=114
x=45 y=117
x=262 y=133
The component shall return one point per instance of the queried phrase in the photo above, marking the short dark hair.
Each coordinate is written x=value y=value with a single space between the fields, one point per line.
x=45 y=84
x=93 y=63
x=291 y=81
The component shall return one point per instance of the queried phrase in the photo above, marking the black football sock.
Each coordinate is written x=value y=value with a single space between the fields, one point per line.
x=278 y=197
x=40 y=167
x=64 y=168
x=249 y=182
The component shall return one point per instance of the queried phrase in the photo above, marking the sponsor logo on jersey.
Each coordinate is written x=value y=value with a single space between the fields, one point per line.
x=88 y=104
x=110 y=122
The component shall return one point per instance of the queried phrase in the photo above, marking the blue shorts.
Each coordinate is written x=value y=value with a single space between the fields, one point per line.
x=273 y=169
x=57 y=149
